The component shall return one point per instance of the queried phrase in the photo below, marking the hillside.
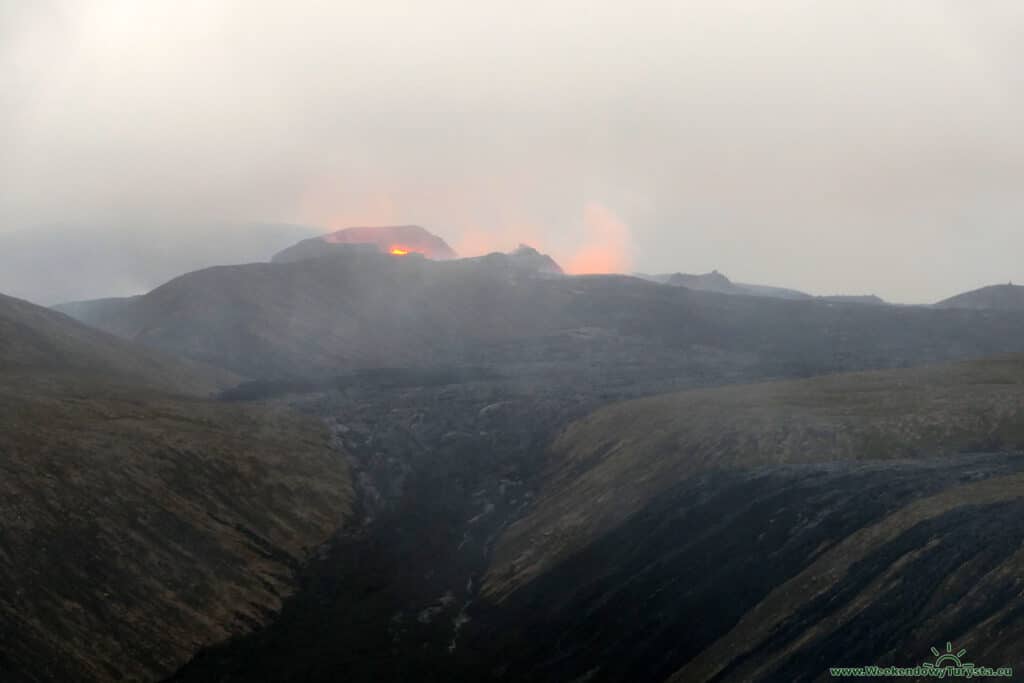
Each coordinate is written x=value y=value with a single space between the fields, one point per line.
x=138 y=524
x=768 y=532
x=754 y=533
x=355 y=310
x=997 y=297
x=35 y=341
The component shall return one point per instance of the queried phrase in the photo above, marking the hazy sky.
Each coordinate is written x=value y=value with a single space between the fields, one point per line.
x=839 y=146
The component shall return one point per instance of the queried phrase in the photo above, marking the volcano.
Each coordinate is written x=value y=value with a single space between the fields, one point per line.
x=397 y=240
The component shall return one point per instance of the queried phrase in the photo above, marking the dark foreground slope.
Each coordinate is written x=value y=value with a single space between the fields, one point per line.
x=769 y=532
x=777 y=574
x=317 y=317
x=844 y=520
x=137 y=523
x=608 y=465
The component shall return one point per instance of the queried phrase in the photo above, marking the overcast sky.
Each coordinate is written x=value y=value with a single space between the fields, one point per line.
x=832 y=146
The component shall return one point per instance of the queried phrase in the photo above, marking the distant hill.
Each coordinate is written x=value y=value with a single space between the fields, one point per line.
x=396 y=239
x=35 y=342
x=997 y=297
x=524 y=259
x=141 y=523
x=50 y=265
x=855 y=299
x=716 y=282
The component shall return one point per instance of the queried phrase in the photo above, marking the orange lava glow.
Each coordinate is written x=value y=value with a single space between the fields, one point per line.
x=398 y=251
x=605 y=247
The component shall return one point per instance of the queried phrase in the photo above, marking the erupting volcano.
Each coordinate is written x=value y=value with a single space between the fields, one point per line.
x=397 y=240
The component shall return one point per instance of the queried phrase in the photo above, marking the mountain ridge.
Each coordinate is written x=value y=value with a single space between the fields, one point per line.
x=1009 y=297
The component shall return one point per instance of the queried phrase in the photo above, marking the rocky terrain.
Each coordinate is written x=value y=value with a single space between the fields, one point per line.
x=661 y=537
x=139 y=522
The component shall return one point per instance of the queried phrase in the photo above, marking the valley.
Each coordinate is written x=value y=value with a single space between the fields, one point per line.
x=525 y=476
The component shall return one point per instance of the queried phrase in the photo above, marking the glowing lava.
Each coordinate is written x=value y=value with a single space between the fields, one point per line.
x=398 y=251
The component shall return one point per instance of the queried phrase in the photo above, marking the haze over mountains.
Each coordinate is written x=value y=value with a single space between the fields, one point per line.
x=485 y=469
x=69 y=263
x=347 y=308
x=527 y=342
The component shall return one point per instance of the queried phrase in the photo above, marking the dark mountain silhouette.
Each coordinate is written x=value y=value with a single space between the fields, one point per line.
x=352 y=310
x=141 y=522
x=1007 y=297
x=717 y=282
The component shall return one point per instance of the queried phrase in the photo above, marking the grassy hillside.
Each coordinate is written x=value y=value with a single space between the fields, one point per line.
x=36 y=342
x=138 y=525
x=609 y=465
x=768 y=532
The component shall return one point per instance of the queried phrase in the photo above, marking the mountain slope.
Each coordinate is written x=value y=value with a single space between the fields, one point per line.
x=778 y=574
x=139 y=525
x=769 y=532
x=37 y=341
x=997 y=297
x=641 y=446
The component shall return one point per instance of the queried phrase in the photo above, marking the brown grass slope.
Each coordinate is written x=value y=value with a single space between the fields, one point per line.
x=137 y=525
x=610 y=464
x=37 y=341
